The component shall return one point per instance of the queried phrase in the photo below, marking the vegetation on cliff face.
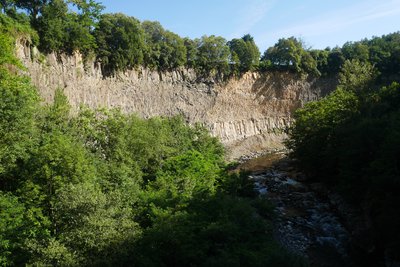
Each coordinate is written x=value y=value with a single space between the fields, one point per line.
x=106 y=189
x=350 y=139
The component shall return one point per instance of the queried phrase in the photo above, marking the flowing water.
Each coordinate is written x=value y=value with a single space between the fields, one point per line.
x=306 y=222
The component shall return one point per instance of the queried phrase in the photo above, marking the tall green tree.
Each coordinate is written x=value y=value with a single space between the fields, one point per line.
x=356 y=51
x=81 y=25
x=335 y=60
x=246 y=51
x=312 y=135
x=5 y=5
x=153 y=37
x=52 y=27
x=321 y=58
x=17 y=111
x=173 y=51
x=164 y=49
x=356 y=75
x=191 y=52
x=33 y=7
x=290 y=54
x=120 y=42
x=213 y=55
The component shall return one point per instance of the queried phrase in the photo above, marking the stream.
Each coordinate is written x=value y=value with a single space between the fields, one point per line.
x=306 y=222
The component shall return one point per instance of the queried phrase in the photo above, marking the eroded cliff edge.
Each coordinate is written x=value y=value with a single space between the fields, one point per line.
x=248 y=114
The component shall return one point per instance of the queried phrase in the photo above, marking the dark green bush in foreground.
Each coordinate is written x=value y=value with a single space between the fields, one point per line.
x=350 y=140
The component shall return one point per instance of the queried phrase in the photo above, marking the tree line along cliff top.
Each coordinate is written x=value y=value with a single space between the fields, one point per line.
x=120 y=42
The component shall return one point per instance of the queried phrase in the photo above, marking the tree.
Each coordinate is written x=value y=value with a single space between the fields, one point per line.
x=52 y=27
x=246 y=51
x=285 y=54
x=63 y=30
x=90 y=11
x=356 y=76
x=17 y=110
x=357 y=51
x=335 y=60
x=234 y=63
x=183 y=177
x=79 y=34
x=173 y=52
x=312 y=134
x=81 y=24
x=165 y=50
x=95 y=227
x=289 y=54
x=120 y=42
x=6 y=53
x=5 y=5
x=213 y=55
x=11 y=226
x=191 y=52
x=153 y=36
x=321 y=58
x=34 y=7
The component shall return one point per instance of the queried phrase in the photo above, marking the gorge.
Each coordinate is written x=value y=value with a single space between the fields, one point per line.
x=248 y=113
x=125 y=144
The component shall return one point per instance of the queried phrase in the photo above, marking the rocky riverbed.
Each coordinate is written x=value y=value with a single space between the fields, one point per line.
x=306 y=222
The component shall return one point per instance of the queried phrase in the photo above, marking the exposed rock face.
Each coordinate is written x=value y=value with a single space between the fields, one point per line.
x=247 y=114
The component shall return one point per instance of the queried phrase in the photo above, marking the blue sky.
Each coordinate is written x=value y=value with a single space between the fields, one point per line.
x=320 y=23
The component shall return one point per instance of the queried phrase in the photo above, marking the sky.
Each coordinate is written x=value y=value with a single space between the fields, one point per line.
x=319 y=23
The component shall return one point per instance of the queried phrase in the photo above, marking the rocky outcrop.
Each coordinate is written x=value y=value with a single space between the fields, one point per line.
x=247 y=114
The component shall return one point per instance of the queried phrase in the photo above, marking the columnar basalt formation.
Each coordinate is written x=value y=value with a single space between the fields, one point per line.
x=248 y=113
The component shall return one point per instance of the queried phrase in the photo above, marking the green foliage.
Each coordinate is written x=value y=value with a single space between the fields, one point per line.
x=120 y=42
x=102 y=188
x=356 y=51
x=6 y=5
x=18 y=102
x=385 y=56
x=34 y=8
x=173 y=52
x=94 y=223
x=191 y=53
x=6 y=52
x=321 y=58
x=165 y=49
x=63 y=30
x=335 y=61
x=11 y=223
x=183 y=177
x=351 y=141
x=355 y=75
x=245 y=53
x=289 y=54
x=380 y=52
x=81 y=24
x=52 y=28
x=16 y=25
x=212 y=232
x=313 y=134
x=213 y=55
x=19 y=225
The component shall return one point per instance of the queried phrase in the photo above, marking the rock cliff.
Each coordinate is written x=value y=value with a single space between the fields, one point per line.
x=248 y=114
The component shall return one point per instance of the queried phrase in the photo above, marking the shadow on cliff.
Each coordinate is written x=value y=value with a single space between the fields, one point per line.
x=290 y=90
